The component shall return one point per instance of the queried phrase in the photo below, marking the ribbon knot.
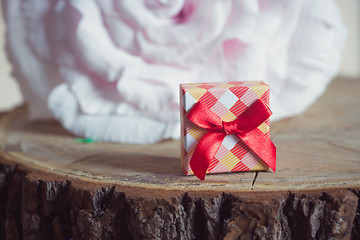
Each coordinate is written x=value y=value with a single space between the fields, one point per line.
x=244 y=127
x=229 y=127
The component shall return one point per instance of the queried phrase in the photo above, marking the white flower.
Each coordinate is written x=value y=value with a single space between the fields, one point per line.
x=110 y=70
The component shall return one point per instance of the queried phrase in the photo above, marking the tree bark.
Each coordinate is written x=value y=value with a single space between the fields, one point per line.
x=36 y=206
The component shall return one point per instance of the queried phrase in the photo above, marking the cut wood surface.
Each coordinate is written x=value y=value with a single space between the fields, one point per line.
x=51 y=186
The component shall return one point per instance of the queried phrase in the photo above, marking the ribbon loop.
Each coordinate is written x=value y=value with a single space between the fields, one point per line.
x=244 y=127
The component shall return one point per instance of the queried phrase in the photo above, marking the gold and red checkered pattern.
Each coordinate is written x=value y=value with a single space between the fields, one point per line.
x=228 y=101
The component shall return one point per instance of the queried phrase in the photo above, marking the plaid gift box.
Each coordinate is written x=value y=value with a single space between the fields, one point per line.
x=228 y=101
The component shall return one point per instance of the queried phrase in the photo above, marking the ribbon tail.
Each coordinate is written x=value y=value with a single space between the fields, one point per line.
x=205 y=152
x=261 y=145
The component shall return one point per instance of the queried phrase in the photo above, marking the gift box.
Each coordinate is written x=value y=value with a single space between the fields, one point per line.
x=225 y=127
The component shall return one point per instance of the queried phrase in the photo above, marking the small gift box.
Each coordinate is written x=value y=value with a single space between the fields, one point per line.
x=225 y=127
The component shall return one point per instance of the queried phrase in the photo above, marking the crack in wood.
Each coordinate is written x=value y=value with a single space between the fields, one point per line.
x=342 y=147
x=253 y=181
x=83 y=159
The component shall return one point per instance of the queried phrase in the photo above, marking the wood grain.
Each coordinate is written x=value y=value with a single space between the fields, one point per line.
x=106 y=190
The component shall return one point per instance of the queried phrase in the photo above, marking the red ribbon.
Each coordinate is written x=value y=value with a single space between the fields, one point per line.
x=244 y=127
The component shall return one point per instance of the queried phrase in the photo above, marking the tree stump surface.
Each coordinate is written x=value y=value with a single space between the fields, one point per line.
x=52 y=187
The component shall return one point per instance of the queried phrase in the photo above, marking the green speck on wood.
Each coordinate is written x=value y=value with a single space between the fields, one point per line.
x=84 y=140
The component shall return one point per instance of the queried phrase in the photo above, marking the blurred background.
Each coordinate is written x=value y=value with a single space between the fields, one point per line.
x=10 y=95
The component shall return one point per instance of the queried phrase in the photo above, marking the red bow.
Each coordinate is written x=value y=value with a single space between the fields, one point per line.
x=244 y=127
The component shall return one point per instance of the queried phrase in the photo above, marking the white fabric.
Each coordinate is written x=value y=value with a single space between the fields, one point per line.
x=110 y=69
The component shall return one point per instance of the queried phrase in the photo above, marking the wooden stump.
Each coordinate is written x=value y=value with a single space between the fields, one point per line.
x=52 y=187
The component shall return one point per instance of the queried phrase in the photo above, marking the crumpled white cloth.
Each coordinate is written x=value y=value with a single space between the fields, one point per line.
x=110 y=69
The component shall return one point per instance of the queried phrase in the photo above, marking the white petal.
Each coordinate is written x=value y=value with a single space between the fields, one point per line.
x=115 y=128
